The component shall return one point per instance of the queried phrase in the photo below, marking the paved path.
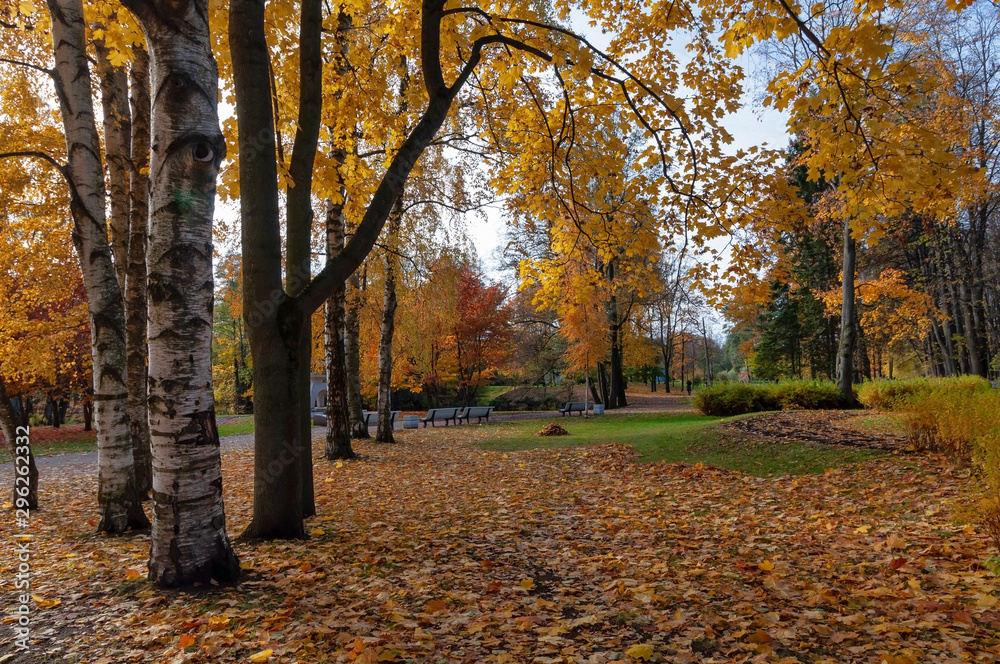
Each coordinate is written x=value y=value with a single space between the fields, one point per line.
x=85 y=463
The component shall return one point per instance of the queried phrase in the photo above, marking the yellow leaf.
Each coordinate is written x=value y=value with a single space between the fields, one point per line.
x=8 y=505
x=767 y=565
x=527 y=584
x=986 y=601
x=317 y=532
x=640 y=651
x=340 y=464
x=262 y=656
x=217 y=622
x=45 y=603
x=862 y=529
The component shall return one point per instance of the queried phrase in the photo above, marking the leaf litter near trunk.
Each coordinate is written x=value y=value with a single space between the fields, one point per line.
x=436 y=549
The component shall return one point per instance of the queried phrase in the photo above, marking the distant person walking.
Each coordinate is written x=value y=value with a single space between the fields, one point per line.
x=689 y=388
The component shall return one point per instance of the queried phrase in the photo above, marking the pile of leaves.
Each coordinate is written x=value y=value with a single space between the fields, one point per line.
x=552 y=429
x=436 y=550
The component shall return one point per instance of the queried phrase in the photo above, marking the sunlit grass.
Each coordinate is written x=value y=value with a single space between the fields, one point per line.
x=682 y=437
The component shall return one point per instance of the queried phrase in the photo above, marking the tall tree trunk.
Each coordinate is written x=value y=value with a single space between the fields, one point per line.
x=708 y=353
x=299 y=217
x=189 y=543
x=352 y=345
x=273 y=321
x=117 y=151
x=845 y=361
x=338 y=434
x=25 y=492
x=682 y=362
x=278 y=318
x=135 y=277
x=384 y=432
x=119 y=500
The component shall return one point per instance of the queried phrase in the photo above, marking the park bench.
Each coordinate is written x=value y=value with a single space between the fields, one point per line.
x=319 y=417
x=370 y=417
x=440 y=415
x=573 y=407
x=478 y=412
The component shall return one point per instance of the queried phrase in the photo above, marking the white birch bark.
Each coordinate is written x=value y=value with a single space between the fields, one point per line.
x=135 y=278
x=189 y=541
x=117 y=496
x=117 y=150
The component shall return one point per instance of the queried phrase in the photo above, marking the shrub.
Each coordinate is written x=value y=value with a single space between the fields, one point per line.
x=959 y=417
x=526 y=399
x=897 y=394
x=742 y=398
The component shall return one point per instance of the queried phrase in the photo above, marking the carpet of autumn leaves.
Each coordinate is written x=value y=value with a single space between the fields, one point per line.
x=433 y=550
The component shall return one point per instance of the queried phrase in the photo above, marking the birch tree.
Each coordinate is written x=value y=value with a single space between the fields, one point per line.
x=189 y=543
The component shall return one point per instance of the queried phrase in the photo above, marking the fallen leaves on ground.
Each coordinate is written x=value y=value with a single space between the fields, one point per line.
x=434 y=550
x=825 y=427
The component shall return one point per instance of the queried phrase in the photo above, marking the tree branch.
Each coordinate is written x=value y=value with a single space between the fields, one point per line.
x=19 y=63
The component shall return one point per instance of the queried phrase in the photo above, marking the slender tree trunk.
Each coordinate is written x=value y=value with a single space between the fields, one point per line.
x=25 y=492
x=119 y=500
x=189 y=543
x=338 y=434
x=352 y=344
x=135 y=278
x=845 y=366
x=117 y=151
x=383 y=433
x=708 y=355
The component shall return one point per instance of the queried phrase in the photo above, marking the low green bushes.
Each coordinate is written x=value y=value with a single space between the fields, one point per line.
x=740 y=398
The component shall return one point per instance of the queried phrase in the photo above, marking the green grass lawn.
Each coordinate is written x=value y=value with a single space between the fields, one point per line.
x=242 y=424
x=488 y=393
x=56 y=442
x=678 y=437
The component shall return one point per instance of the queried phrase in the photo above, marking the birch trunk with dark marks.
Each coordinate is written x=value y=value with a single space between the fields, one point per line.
x=25 y=492
x=189 y=542
x=117 y=151
x=352 y=348
x=135 y=276
x=845 y=356
x=383 y=432
x=338 y=433
x=118 y=498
